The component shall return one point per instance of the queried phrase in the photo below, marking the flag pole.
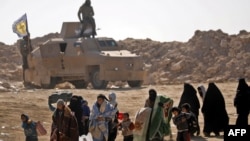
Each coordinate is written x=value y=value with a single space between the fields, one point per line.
x=28 y=35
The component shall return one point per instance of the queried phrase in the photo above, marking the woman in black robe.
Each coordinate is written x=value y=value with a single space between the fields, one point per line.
x=241 y=102
x=214 y=111
x=75 y=106
x=189 y=96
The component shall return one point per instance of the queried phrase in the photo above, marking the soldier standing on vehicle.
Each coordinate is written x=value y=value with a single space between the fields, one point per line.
x=25 y=49
x=85 y=15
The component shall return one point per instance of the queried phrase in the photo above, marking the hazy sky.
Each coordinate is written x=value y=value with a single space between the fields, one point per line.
x=161 y=20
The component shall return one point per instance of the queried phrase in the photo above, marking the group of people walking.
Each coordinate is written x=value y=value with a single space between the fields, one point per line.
x=152 y=122
x=213 y=109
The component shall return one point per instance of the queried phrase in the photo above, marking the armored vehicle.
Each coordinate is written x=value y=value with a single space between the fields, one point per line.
x=82 y=61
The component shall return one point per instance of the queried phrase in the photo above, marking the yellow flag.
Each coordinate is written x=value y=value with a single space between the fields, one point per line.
x=20 y=26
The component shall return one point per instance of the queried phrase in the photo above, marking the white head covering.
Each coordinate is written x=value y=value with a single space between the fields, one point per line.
x=203 y=91
x=112 y=99
x=60 y=102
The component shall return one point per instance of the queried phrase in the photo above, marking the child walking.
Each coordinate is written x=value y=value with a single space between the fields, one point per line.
x=127 y=127
x=181 y=121
x=29 y=128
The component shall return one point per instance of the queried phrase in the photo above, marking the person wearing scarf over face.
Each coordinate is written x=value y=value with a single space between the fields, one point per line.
x=151 y=99
x=101 y=114
x=241 y=102
x=189 y=96
x=64 y=124
x=214 y=111
x=29 y=128
x=76 y=108
x=113 y=124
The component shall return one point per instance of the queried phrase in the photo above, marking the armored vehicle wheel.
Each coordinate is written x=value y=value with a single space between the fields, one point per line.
x=80 y=84
x=53 y=81
x=96 y=82
x=133 y=84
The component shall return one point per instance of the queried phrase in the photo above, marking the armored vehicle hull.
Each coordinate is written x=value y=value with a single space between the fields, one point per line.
x=82 y=61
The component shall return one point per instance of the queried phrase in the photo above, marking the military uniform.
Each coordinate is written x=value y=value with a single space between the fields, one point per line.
x=85 y=15
x=25 y=48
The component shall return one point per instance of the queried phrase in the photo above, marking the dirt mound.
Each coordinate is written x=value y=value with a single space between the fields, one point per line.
x=207 y=56
x=10 y=63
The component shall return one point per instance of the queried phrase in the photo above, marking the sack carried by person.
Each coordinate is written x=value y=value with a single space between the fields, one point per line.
x=40 y=129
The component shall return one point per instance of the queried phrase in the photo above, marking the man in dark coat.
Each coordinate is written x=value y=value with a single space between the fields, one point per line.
x=189 y=96
x=241 y=102
x=214 y=111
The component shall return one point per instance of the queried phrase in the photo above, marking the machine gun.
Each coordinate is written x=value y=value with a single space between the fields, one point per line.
x=64 y=95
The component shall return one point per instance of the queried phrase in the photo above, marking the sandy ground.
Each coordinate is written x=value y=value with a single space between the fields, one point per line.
x=34 y=103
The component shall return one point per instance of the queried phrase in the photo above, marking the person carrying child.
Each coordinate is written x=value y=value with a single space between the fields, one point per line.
x=181 y=121
x=192 y=122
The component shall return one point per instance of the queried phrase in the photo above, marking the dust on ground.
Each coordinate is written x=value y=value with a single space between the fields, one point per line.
x=35 y=104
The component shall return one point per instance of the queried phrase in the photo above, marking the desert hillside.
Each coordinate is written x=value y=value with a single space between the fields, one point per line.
x=207 y=56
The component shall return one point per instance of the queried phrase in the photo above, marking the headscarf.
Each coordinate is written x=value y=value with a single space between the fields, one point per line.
x=241 y=98
x=242 y=86
x=214 y=99
x=113 y=99
x=60 y=102
x=203 y=91
x=189 y=96
x=152 y=94
x=102 y=96
x=26 y=117
x=25 y=123
x=75 y=106
x=214 y=110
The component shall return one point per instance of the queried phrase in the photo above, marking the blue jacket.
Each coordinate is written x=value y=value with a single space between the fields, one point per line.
x=29 y=129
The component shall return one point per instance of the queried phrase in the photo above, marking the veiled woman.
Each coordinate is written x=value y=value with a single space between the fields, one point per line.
x=214 y=111
x=241 y=102
x=189 y=96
